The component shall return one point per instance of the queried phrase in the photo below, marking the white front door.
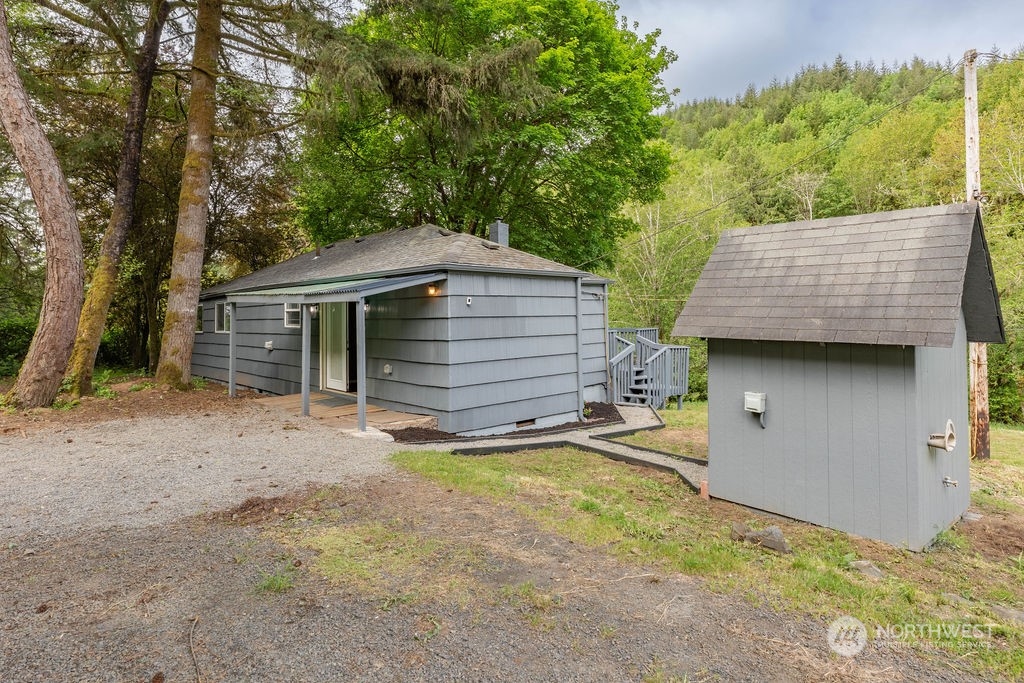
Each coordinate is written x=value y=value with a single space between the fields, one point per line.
x=335 y=353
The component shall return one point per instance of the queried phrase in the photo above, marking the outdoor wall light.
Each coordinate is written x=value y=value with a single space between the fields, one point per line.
x=432 y=289
x=366 y=307
x=314 y=311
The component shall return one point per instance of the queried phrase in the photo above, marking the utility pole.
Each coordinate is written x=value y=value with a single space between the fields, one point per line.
x=978 y=403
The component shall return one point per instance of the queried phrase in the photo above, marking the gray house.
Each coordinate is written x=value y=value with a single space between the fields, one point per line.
x=486 y=338
x=837 y=367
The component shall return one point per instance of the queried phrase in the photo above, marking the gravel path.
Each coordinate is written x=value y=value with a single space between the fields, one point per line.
x=634 y=417
x=148 y=471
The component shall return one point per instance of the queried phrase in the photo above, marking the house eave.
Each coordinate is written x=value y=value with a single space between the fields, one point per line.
x=348 y=290
x=434 y=269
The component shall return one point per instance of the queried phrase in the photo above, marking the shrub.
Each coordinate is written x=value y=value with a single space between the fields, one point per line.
x=115 y=349
x=15 y=338
x=1006 y=382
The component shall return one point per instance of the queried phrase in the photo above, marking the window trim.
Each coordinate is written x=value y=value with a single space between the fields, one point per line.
x=222 y=318
x=297 y=309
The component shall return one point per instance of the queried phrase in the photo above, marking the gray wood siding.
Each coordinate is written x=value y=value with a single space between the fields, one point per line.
x=507 y=354
x=834 y=450
x=274 y=372
x=941 y=376
x=595 y=335
x=409 y=330
x=513 y=349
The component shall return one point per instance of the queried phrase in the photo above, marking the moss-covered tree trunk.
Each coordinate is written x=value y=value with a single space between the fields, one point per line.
x=104 y=278
x=41 y=373
x=175 y=366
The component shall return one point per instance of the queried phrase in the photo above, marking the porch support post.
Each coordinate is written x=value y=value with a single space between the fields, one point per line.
x=232 y=350
x=361 y=362
x=579 y=349
x=607 y=347
x=306 y=324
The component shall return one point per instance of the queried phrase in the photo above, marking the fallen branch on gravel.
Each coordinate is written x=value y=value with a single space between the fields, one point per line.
x=631 y=576
x=192 y=649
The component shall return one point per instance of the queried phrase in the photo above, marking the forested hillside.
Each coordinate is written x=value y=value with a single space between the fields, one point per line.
x=834 y=140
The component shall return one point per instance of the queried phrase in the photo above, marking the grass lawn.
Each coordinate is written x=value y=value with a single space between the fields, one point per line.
x=685 y=432
x=1008 y=444
x=645 y=517
x=997 y=485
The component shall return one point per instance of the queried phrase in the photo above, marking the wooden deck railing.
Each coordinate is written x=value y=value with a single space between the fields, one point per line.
x=643 y=371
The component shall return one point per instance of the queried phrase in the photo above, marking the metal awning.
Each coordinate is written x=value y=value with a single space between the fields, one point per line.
x=308 y=295
x=338 y=290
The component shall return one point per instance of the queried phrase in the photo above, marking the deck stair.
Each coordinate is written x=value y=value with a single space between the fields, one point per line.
x=644 y=372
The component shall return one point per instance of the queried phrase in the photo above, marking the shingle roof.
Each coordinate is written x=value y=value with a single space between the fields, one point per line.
x=900 y=277
x=392 y=253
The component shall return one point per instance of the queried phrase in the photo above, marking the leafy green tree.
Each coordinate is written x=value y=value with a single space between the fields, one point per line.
x=656 y=267
x=21 y=261
x=883 y=164
x=539 y=112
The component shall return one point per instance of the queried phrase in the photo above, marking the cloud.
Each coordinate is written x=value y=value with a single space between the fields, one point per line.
x=724 y=46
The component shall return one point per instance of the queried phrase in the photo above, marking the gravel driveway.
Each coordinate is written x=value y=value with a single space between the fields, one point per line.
x=139 y=472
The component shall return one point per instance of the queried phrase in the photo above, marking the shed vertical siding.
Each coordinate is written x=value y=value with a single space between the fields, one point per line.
x=895 y=470
x=726 y=419
x=812 y=363
x=865 y=452
x=835 y=448
x=795 y=423
x=275 y=372
x=941 y=376
x=774 y=472
x=513 y=351
x=752 y=437
x=839 y=450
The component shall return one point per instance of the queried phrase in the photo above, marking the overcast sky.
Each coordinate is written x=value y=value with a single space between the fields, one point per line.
x=724 y=45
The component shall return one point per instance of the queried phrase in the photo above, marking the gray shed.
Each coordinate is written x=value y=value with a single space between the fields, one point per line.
x=485 y=337
x=837 y=348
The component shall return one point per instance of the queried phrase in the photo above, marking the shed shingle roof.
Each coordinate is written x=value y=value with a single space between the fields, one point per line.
x=396 y=252
x=899 y=277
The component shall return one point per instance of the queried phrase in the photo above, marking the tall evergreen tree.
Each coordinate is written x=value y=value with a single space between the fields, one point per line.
x=104 y=277
x=41 y=373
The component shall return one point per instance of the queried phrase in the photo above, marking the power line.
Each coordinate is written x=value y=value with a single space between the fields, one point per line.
x=764 y=181
x=995 y=56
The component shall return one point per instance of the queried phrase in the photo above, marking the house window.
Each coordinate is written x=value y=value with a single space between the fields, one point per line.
x=293 y=315
x=199 y=319
x=222 y=318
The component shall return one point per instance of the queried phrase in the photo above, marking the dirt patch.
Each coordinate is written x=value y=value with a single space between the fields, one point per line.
x=599 y=414
x=995 y=537
x=134 y=399
x=257 y=509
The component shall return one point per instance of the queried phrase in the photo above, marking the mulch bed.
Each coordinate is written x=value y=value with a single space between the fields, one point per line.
x=600 y=414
